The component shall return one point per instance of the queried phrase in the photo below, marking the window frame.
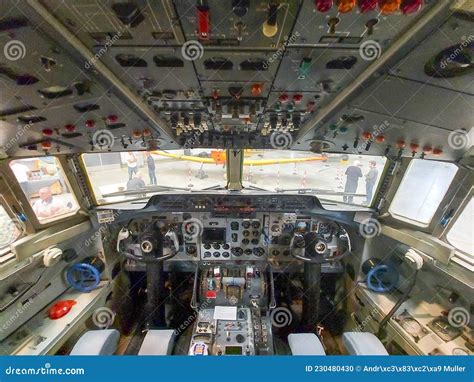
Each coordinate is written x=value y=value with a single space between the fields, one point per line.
x=460 y=209
x=72 y=218
x=449 y=201
x=3 y=203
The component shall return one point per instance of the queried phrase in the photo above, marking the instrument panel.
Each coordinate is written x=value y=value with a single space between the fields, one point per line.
x=260 y=238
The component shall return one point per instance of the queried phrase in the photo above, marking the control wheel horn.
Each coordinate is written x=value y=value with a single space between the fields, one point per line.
x=151 y=246
x=311 y=248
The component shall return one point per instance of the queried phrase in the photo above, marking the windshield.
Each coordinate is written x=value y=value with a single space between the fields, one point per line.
x=118 y=176
x=348 y=178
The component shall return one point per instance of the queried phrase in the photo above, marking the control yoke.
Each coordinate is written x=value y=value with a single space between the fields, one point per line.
x=149 y=247
x=313 y=248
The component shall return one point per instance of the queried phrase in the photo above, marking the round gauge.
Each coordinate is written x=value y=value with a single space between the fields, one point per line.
x=411 y=326
x=460 y=351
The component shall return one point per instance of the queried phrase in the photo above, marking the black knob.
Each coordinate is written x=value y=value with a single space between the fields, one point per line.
x=237 y=251
x=216 y=246
x=240 y=7
x=256 y=224
x=240 y=338
x=207 y=254
x=226 y=246
x=248 y=252
x=255 y=241
x=216 y=254
x=246 y=224
x=245 y=241
x=246 y=233
x=207 y=246
x=225 y=254
x=259 y=251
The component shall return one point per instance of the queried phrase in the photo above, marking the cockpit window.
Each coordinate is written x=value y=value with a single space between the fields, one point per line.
x=421 y=191
x=461 y=235
x=10 y=230
x=347 y=178
x=46 y=187
x=128 y=175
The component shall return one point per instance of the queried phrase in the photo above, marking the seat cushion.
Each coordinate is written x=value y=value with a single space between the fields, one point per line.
x=97 y=342
x=357 y=343
x=305 y=344
x=157 y=342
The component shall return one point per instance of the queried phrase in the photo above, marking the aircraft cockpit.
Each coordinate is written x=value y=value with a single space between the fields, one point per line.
x=222 y=178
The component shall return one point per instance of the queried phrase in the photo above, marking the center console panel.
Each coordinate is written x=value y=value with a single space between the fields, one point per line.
x=230 y=300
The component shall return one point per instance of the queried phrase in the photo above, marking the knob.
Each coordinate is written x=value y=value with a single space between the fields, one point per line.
x=225 y=254
x=245 y=224
x=207 y=246
x=226 y=246
x=256 y=224
x=191 y=250
x=237 y=251
x=245 y=241
x=259 y=251
x=216 y=246
x=216 y=254
x=207 y=254
x=248 y=252
x=255 y=241
x=255 y=233
x=240 y=7
x=246 y=233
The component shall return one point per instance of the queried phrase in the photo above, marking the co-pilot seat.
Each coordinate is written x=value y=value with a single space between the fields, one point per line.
x=105 y=342
x=355 y=343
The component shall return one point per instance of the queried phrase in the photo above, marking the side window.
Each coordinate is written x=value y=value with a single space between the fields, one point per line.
x=45 y=186
x=421 y=191
x=461 y=235
x=10 y=230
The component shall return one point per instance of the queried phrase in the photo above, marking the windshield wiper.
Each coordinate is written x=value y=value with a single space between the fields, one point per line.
x=145 y=190
x=317 y=191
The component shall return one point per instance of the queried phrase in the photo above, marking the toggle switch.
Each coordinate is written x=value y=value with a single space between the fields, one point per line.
x=305 y=68
x=203 y=20
x=270 y=27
